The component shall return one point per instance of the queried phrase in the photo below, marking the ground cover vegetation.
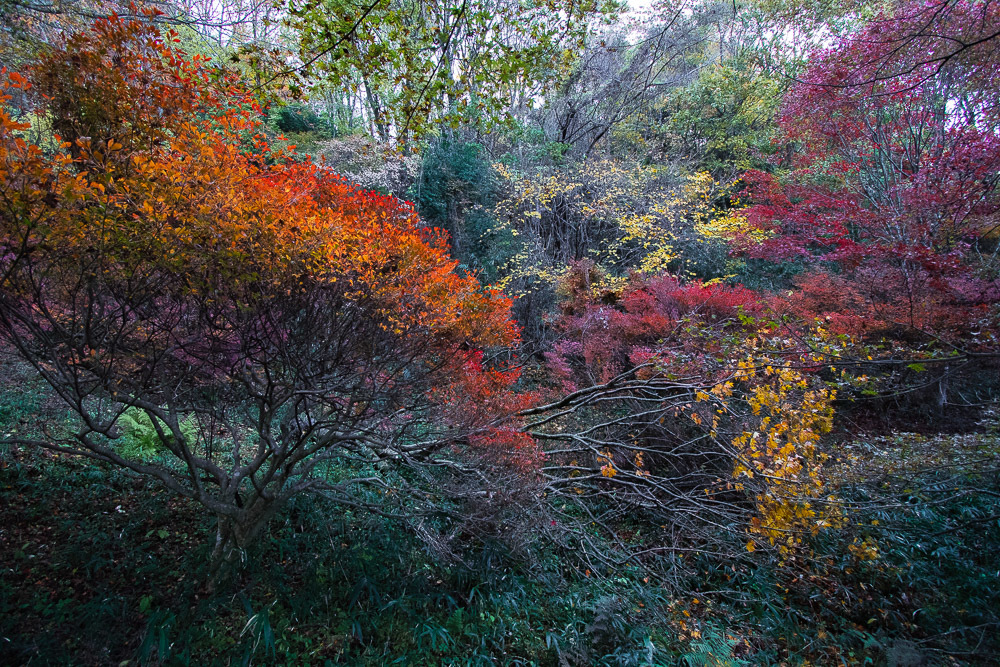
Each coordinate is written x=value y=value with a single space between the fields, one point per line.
x=522 y=333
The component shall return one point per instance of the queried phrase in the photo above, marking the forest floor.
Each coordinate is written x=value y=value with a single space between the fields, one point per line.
x=102 y=568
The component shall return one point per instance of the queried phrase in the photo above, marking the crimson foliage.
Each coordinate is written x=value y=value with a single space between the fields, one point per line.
x=894 y=188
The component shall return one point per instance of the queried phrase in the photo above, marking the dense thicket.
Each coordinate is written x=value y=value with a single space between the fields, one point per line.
x=500 y=332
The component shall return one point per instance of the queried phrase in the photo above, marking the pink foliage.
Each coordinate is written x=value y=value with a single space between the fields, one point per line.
x=602 y=337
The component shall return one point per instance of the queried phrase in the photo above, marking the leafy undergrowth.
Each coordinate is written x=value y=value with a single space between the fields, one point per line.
x=86 y=552
x=101 y=568
x=914 y=578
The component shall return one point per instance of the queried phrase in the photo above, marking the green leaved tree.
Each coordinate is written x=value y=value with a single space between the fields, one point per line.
x=409 y=64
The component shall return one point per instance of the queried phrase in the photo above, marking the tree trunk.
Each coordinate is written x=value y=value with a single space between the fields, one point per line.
x=232 y=537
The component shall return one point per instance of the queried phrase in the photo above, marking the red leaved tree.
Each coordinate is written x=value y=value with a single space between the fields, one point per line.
x=275 y=328
x=894 y=188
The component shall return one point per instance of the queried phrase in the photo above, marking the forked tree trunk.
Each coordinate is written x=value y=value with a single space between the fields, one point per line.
x=232 y=537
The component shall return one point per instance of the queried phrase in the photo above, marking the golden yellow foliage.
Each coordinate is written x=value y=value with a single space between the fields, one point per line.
x=778 y=449
x=624 y=218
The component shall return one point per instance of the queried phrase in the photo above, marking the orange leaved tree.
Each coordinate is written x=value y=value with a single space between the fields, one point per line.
x=260 y=325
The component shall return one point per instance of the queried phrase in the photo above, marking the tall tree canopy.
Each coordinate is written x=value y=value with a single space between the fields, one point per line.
x=416 y=62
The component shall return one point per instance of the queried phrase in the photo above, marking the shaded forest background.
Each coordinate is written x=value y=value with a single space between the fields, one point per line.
x=534 y=332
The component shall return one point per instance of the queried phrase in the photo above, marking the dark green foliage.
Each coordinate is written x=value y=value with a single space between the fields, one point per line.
x=104 y=568
x=297 y=118
x=27 y=405
x=301 y=126
x=84 y=546
x=455 y=190
x=18 y=404
x=101 y=567
x=765 y=276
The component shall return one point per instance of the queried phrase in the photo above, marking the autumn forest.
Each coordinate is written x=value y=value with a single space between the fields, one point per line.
x=500 y=332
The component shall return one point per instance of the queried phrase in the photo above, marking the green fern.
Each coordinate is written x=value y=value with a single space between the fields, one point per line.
x=714 y=649
x=140 y=439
